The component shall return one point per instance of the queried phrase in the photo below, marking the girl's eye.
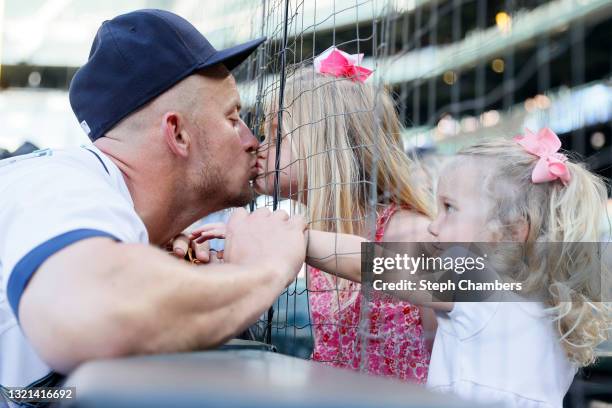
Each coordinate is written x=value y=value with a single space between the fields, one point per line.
x=449 y=208
x=261 y=132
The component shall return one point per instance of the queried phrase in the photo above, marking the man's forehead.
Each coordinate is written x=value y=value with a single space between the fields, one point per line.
x=223 y=90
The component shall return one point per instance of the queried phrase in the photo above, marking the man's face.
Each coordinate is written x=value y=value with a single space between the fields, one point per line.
x=224 y=145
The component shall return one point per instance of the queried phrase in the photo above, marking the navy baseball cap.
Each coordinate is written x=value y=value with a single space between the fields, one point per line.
x=136 y=57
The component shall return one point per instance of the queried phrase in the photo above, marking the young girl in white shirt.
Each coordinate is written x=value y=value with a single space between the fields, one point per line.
x=523 y=353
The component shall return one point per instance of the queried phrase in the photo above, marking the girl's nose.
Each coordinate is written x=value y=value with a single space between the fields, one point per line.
x=433 y=227
x=262 y=151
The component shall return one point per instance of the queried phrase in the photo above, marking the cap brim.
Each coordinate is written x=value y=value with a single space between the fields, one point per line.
x=234 y=56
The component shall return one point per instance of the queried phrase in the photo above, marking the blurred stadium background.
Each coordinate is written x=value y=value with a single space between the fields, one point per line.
x=460 y=70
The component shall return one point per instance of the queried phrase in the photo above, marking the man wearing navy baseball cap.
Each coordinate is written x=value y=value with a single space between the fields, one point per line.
x=81 y=272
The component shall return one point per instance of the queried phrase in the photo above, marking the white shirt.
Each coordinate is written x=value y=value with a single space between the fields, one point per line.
x=49 y=200
x=503 y=353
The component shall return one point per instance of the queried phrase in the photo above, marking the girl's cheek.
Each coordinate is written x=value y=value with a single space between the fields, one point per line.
x=270 y=160
x=451 y=230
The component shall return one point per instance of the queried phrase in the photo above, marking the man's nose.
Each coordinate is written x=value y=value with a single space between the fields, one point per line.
x=249 y=141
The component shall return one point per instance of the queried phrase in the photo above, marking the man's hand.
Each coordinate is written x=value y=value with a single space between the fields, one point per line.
x=200 y=246
x=266 y=237
x=249 y=236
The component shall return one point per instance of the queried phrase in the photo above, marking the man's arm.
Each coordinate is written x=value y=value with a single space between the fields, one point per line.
x=98 y=298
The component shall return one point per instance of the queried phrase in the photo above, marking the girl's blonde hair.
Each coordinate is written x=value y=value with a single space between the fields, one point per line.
x=345 y=134
x=552 y=212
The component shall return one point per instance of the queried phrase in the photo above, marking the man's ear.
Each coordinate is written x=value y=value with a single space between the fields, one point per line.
x=176 y=137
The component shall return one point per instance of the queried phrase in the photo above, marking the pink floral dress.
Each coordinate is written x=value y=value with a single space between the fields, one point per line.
x=395 y=346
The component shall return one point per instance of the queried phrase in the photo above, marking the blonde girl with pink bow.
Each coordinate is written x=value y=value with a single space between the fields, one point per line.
x=335 y=126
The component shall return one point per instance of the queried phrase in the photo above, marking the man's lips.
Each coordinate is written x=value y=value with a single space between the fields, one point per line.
x=259 y=167
x=256 y=170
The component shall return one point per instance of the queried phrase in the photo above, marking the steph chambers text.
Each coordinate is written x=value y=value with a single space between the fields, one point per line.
x=445 y=286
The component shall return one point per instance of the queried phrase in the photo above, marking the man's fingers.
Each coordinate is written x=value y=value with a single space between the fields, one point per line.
x=207 y=227
x=210 y=235
x=262 y=212
x=180 y=245
x=202 y=251
x=282 y=214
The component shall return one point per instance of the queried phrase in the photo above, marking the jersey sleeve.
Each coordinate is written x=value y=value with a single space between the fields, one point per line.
x=49 y=207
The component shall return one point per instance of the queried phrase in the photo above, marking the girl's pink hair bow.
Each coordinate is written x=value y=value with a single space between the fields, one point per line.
x=340 y=64
x=545 y=144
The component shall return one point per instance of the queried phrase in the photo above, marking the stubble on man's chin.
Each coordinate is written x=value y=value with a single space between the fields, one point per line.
x=216 y=191
x=247 y=194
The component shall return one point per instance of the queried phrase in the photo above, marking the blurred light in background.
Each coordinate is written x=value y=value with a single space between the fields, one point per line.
x=489 y=118
x=449 y=77
x=542 y=101
x=530 y=105
x=598 y=140
x=34 y=79
x=469 y=124
x=503 y=21
x=498 y=65
x=447 y=126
